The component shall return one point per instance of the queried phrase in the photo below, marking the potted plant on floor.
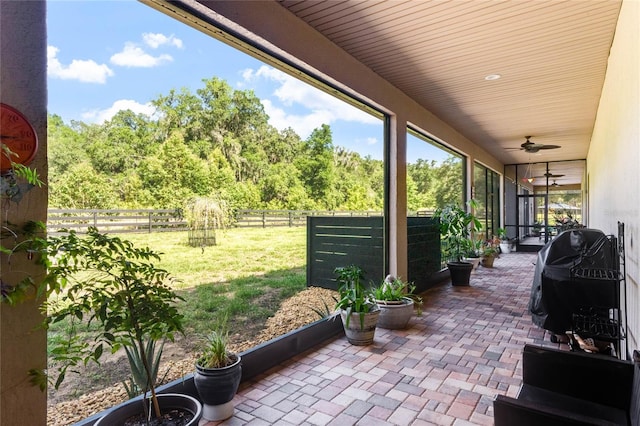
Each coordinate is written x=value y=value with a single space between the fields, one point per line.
x=490 y=253
x=358 y=309
x=537 y=229
x=112 y=296
x=505 y=244
x=457 y=228
x=474 y=255
x=395 y=299
x=217 y=376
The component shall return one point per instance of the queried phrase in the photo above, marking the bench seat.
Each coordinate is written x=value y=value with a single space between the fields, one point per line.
x=571 y=388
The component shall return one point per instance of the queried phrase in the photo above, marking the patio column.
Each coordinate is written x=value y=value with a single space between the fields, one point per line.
x=398 y=197
x=23 y=79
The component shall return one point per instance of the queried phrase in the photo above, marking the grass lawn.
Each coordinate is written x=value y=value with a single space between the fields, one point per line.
x=245 y=277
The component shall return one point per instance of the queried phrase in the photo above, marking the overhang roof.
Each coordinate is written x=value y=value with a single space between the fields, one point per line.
x=551 y=56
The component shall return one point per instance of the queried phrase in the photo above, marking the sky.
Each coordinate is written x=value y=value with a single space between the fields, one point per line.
x=104 y=56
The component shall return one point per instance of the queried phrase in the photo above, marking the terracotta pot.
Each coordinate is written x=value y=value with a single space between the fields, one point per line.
x=487 y=261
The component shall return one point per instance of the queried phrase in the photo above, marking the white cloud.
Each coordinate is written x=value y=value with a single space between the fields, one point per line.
x=155 y=40
x=322 y=108
x=368 y=141
x=86 y=71
x=100 y=116
x=134 y=56
x=302 y=124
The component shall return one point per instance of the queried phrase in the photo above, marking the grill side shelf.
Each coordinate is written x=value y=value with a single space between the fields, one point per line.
x=597 y=326
x=596 y=274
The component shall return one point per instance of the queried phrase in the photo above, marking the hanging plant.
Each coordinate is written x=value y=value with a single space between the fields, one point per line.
x=204 y=216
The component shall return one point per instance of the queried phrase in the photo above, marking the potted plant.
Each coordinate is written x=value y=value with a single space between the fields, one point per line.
x=457 y=228
x=217 y=376
x=475 y=252
x=505 y=244
x=536 y=229
x=490 y=252
x=396 y=302
x=111 y=292
x=358 y=309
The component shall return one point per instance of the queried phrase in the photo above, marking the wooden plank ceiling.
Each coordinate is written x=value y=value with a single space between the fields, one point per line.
x=551 y=56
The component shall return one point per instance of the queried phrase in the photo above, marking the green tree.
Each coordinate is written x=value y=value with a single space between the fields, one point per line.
x=180 y=111
x=214 y=142
x=282 y=189
x=219 y=118
x=435 y=184
x=447 y=185
x=83 y=188
x=281 y=146
x=65 y=147
x=316 y=166
x=241 y=195
x=121 y=143
x=174 y=175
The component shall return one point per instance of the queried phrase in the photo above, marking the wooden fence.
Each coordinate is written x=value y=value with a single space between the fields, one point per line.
x=154 y=220
x=266 y=218
x=115 y=221
x=342 y=241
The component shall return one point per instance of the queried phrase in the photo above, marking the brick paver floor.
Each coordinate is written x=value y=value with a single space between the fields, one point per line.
x=445 y=369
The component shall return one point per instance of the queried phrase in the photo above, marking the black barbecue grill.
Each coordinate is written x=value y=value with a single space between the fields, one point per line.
x=576 y=286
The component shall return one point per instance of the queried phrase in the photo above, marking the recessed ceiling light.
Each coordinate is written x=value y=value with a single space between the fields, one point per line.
x=491 y=77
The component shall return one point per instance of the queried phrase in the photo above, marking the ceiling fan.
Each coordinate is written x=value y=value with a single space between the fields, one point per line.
x=532 y=147
x=548 y=175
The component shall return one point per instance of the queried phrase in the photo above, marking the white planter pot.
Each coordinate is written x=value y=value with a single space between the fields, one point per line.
x=505 y=247
x=360 y=333
x=473 y=260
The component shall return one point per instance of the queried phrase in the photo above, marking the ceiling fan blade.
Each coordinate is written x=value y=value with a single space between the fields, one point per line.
x=532 y=147
x=549 y=175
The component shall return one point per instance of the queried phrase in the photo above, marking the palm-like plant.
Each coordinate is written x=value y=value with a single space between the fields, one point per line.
x=457 y=228
x=354 y=296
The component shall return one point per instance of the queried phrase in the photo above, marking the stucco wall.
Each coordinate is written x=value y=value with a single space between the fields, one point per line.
x=23 y=65
x=613 y=162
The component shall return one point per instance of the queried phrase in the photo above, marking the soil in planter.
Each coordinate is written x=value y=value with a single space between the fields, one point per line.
x=174 y=417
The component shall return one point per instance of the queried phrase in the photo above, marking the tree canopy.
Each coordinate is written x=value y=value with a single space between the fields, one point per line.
x=218 y=143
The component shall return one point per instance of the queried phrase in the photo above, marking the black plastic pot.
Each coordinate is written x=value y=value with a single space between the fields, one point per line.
x=167 y=402
x=217 y=387
x=460 y=273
